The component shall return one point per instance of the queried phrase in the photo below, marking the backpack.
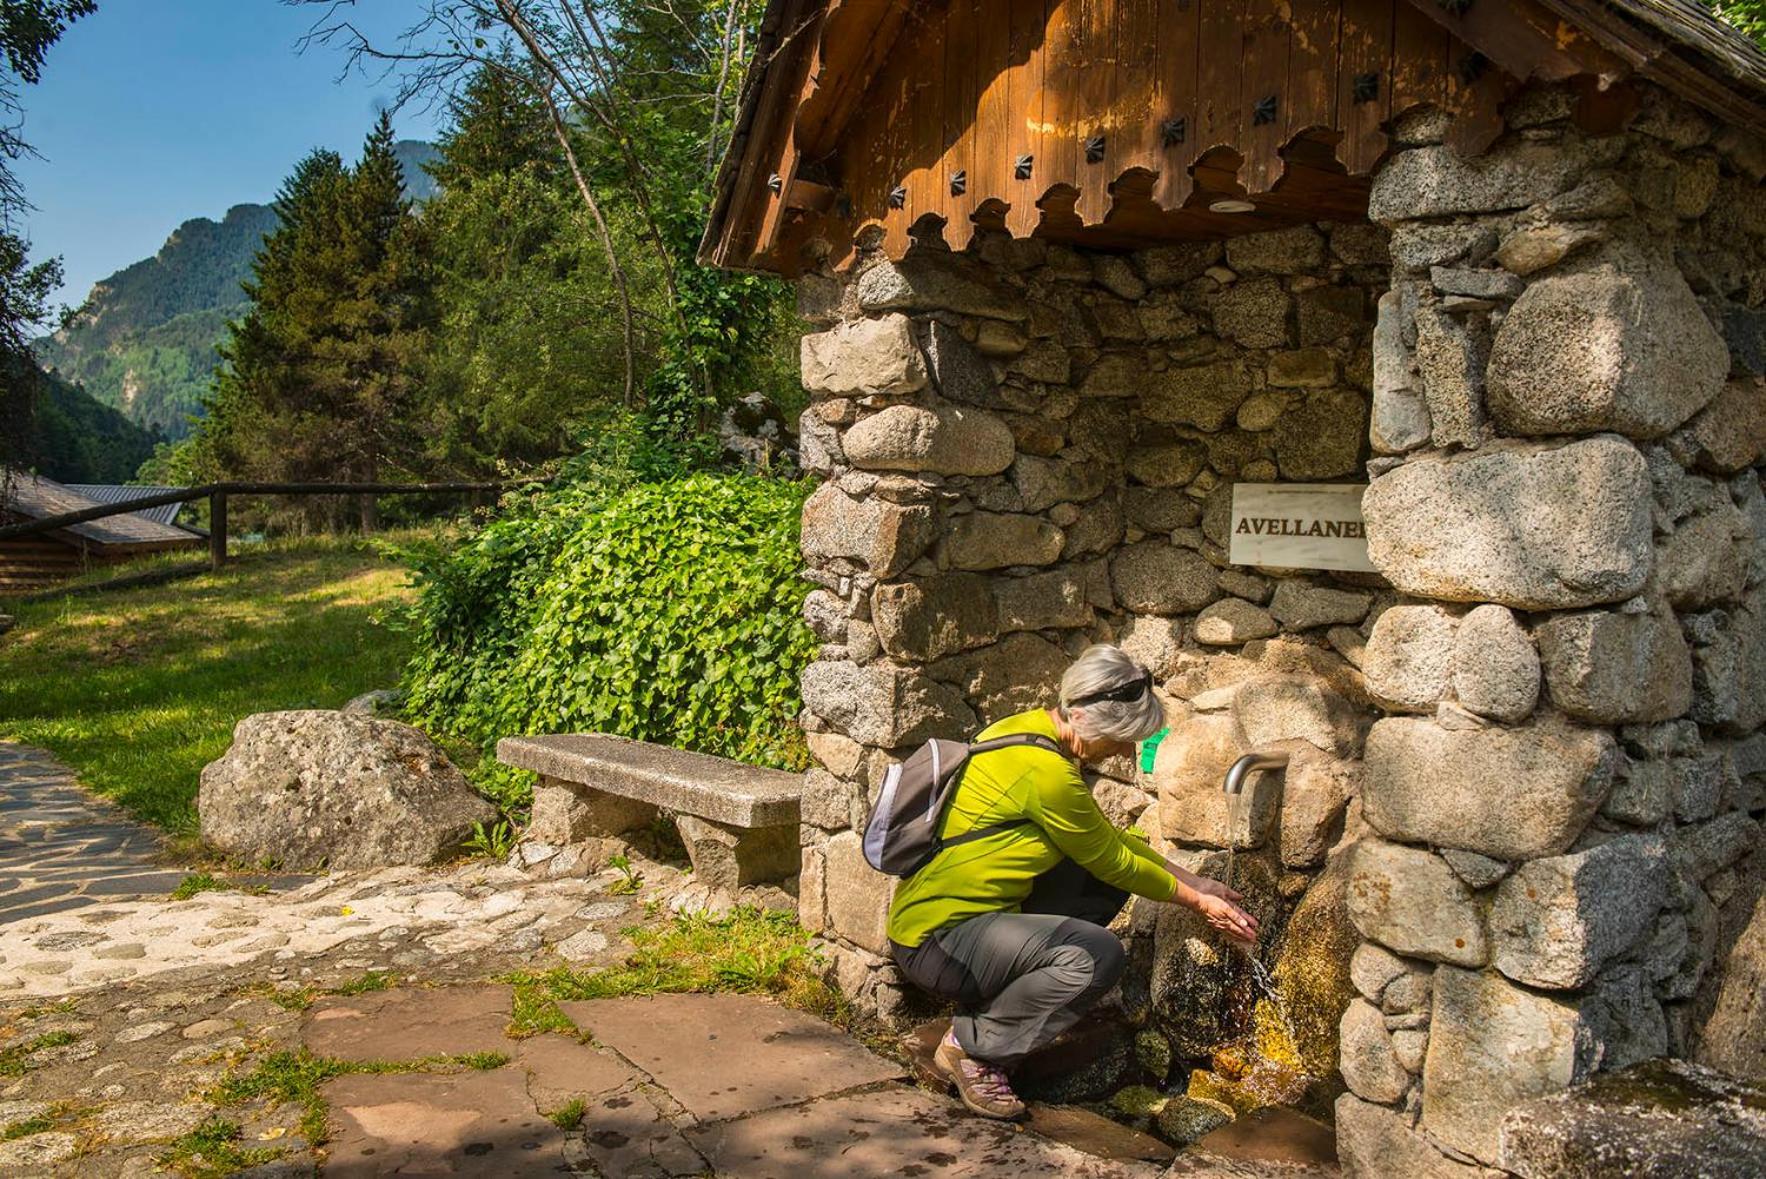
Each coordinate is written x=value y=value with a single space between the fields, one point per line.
x=901 y=835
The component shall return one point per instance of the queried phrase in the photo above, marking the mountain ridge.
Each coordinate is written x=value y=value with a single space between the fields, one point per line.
x=144 y=342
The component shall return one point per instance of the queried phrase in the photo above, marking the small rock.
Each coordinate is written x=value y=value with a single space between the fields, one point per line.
x=582 y=946
x=203 y=1029
x=143 y=1031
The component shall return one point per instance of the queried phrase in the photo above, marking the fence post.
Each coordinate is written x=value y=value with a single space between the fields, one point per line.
x=217 y=529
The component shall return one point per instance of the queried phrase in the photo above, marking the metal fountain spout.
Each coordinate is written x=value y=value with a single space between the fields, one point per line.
x=1249 y=764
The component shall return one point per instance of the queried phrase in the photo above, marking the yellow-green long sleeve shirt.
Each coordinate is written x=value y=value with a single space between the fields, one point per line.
x=995 y=872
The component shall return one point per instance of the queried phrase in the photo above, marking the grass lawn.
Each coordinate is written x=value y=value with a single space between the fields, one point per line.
x=138 y=689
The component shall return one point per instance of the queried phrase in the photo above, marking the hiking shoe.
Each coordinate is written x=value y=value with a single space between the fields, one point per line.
x=980 y=1086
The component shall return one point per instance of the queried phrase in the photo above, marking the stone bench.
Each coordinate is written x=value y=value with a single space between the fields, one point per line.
x=739 y=822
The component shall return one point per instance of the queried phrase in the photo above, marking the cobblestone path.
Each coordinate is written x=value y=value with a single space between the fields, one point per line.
x=61 y=848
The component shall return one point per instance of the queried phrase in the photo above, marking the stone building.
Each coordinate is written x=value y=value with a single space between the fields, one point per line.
x=1077 y=271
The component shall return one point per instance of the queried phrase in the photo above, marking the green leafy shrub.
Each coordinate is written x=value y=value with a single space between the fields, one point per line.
x=668 y=611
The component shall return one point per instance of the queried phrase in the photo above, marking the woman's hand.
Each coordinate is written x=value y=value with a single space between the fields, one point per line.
x=1227 y=917
x=1214 y=888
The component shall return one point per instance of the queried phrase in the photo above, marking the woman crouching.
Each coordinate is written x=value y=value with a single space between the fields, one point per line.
x=1011 y=924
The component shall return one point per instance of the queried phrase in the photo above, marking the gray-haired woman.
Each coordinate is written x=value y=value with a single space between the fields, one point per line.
x=1011 y=923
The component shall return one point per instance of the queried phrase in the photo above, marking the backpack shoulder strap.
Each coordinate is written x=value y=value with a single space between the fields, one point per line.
x=1013 y=739
x=1009 y=741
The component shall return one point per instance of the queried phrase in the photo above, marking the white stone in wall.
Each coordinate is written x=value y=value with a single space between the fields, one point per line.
x=1620 y=346
x=1373 y=967
x=1021 y=671
x=1450 y=359
x=1511 y=794
x=1495 y=668
x=1437 y=181
x=1043 y=601
x=1557 y=921
x=1300 y=605
x=1400 y=416
x=1190 y=766
x=1705 y=560
x=858 y=894
x=1316 y=789
x=882 y=536
x=1409 y=901
x=1409 y=657
x=1155 y=643
x=1204 y=396
x=1232 y=621
x=812 y=903
x=933 y=280
x=1613 y=668
x=1532 y=528
x=864 y=356
x=1728 y=435
x=996 y=540
x=1532 y=249
x=1370 y=1068
x=1322 y=437
x=946 y=439
x=1273 y=709
x=1156 y=577
x=1493 y=1045
x=933 y=617
x=1374 y=1142
x=883 y=705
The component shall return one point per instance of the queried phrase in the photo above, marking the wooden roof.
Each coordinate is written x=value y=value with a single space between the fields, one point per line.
x=32 y=497
x=1119 y=122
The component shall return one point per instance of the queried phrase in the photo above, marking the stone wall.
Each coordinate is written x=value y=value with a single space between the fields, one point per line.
x=1525 y=760
x=1564 y=794
x=1027 y=449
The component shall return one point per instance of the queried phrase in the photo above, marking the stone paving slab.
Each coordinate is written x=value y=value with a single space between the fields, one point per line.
x=892 y=1131
x=560 y=1068
x=475 y=1123
x=409 y=1023
x=722 y=1056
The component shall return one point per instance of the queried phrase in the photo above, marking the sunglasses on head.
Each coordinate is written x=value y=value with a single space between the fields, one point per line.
x=1132 y=690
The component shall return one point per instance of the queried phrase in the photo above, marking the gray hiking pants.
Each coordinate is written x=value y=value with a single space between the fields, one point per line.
x=1021 y=979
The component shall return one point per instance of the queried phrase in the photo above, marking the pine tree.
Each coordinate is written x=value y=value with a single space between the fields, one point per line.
x=321 y=375
x=498 y=125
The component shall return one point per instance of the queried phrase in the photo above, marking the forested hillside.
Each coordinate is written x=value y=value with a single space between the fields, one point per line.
x=146 y=342
x=75 y=439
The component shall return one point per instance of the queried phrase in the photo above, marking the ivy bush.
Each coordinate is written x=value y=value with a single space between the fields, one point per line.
x=668 y=611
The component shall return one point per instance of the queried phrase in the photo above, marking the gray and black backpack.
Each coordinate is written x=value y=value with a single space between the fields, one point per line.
x=901 y=836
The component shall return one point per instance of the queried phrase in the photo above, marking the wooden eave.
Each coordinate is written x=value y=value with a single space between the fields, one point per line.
x=869 y=120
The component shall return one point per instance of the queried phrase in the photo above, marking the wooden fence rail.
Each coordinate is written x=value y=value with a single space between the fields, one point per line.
x=217 y=493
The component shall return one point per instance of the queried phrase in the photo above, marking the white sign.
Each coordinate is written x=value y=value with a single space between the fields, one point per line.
x=1299 y=526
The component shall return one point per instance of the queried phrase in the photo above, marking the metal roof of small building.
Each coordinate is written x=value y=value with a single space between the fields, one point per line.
x=37 y=498
x=120 y=493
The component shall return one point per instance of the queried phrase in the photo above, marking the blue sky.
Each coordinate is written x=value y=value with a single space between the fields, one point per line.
x=155 y=111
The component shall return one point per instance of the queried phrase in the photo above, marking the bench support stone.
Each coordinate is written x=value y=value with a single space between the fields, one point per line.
x=726 y=857
x=565 y=813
